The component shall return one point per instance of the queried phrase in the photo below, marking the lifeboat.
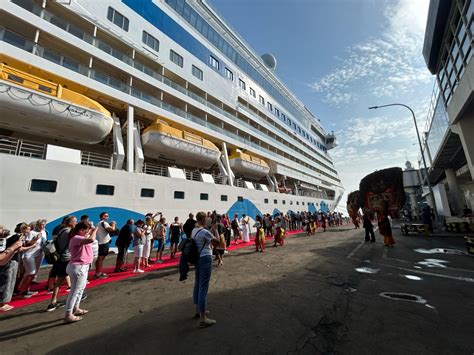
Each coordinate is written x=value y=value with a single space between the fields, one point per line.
x=247 y=165
x=163 y=142
x=40 y=107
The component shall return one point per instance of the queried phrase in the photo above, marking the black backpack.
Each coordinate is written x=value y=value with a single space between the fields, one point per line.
x=190 y=250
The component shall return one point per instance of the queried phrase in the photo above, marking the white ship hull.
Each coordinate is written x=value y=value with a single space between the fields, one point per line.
x=31 y=112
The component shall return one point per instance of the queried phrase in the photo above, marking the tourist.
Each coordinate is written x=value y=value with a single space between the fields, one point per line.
x=427 y=221
x=218 y=231
x=189 y=225
x=176 y=228
x=9 y=267
x=160 y=237
x=103 y=238
x=58 y=271
x=369 y=229
x=245 y=228
x=203 y=239
x=226 y=223
x=123 y=242
x=32 y=258
x=80 y=248
x=386 y=230
x=138 y=242
x=235 y=228
x=148 y=241
x=259 y=237
x=279 y=234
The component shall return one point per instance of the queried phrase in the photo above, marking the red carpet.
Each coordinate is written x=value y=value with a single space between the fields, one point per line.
x=19 y=301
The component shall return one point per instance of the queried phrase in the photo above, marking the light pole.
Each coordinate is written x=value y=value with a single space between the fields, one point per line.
x=421 y=150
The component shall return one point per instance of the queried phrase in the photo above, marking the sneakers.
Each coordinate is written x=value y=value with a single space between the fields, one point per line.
x=160 y=261
x=100 y=276
x=29 y=294
x=207 y=323
x=138 y=271
x=53 y=306
x=226 y=252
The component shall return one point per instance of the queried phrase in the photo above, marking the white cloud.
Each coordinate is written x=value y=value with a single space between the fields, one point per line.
x=384 y=66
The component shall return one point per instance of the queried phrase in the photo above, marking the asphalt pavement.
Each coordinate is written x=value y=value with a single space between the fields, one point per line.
x=328 y=293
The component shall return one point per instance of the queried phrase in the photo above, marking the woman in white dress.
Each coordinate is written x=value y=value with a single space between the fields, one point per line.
x=245 y=228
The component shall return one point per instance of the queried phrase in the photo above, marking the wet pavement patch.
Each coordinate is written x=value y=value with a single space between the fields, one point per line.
x=412 y=277
x=441 y=251
x=403 y=297
x=434 y=263
x=366 y=270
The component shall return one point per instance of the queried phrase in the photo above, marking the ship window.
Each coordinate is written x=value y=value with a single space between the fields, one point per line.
x=147 y=193
x=275 y=201
x=228 y=74
x=297 y=203
x=265 y=200
x=204 y=197
x=277 y=112
x=15 y=78
x=261 y=99
x=302 y=203
x=284 y=202
x=240 y=198
x=45 y=89
x=223 y=197
x=179 y=195
x=43 y=185
x=150 y=41
x=291 y=202
x=117 y=18
x=197 y=72
x=242 y=84
x=176 y=58
x=270 y=106
x=252 y=92
x=105 y=190
x=214 y=62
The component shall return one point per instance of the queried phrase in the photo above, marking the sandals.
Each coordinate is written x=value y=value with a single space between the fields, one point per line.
x=81 y=312
x=72 y=319
x=6 y=308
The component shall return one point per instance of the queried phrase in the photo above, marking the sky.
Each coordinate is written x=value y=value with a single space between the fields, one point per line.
x=340 y=57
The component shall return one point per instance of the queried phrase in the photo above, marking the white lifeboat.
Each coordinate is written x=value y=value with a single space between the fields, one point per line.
x=247 y=165
x=40 y=107
x=164 y=142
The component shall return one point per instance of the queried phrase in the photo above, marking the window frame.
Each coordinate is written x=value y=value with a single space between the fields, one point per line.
x=113 y=15
x=98 y=186
x=229 y=74
x=146 y=36
x=195 y=70
x=174 y=54
x=242 y=84
x=253 y=93
x=177 y=194
x=203 y=196
x=214 y=62
x=143 y=189
x=37 y=180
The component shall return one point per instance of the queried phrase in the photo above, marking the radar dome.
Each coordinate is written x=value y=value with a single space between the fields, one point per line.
x=270 y=61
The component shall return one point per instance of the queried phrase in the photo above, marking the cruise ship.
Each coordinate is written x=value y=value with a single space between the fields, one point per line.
x=138 y=106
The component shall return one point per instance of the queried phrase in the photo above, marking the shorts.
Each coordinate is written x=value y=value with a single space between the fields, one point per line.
x=104 y=249
x=175 y=239
x=160 y=244
x=138 y=251
x=59 y=269
x=29 y=265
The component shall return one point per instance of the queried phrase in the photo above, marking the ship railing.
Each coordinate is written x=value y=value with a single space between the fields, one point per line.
x=121 y=86
x=218 y=179
x=155 y=169
x=192 y=175
x=22 y=147
x=239 y=183
x=98 y=160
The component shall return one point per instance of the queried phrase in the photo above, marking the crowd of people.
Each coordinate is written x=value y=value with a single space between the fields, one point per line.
x=76 y=245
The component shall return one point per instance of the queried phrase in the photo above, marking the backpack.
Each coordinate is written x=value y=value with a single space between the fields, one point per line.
x=190 y=250
x=51 y=254
x=234 y=224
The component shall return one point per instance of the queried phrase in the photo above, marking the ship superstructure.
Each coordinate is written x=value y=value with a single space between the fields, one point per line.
x=143 y=105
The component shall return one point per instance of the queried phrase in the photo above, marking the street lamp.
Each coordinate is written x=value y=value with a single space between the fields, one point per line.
x=421 y=150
